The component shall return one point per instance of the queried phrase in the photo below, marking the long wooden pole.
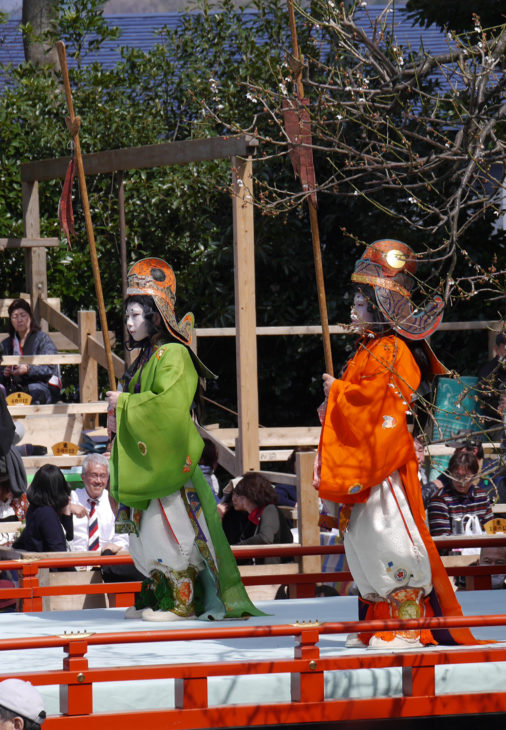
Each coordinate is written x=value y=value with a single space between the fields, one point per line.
x=313 y=216
x=73 y=124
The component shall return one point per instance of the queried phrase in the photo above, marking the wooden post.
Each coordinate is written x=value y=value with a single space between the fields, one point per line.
x=492 y=334
x=88 y=370
x=35 y=257
x=129 y=358
x=307 y=509
x=245 y=314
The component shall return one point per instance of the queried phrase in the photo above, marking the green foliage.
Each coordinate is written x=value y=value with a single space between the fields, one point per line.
x=81 y=25
x=181 y=213
x=194 y=78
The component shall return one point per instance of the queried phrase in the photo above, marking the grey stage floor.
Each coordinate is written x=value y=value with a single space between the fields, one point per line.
x=111 y=696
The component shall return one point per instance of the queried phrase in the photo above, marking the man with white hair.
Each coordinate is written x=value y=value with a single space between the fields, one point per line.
x=21 y=706
x=95 y=531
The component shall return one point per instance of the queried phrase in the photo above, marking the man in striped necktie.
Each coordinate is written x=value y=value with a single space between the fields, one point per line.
x=93 y=536
x=95 y=531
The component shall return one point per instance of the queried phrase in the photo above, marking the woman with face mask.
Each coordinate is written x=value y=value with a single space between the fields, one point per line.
x=176 y=536
x=366 y=469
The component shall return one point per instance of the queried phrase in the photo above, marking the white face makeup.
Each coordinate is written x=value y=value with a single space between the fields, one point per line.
x=136 y=322
x=360 y=314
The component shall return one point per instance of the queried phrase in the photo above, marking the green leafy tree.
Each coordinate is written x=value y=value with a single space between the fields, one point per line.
x=218 y=73
x=181 y=213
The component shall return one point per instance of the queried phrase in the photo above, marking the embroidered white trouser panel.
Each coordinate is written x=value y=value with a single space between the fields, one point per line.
x=163 y=547
x=382 y=543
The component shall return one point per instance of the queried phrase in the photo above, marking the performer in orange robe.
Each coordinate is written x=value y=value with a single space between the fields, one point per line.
x=366 y=459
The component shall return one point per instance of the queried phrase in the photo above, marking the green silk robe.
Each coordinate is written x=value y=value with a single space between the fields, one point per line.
x=156 y=452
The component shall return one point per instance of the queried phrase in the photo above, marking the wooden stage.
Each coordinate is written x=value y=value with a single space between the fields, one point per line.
x=290 y=668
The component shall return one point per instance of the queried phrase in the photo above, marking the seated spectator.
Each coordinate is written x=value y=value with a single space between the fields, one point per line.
x=458 y=497
x=21 y=706
x=255 y=495
x=94 y=527
x=235 y=522
x=42 y=382
x=494 y=556
x=487 y=476
x=208 y=463
x=49 y=516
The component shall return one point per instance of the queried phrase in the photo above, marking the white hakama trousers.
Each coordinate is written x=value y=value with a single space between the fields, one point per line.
x=383 y=546
x=166 y=538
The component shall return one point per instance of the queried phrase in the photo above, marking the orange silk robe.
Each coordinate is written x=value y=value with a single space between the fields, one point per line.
x=365 y=438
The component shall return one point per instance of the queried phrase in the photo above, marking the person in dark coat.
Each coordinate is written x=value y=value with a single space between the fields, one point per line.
x=49 y=519
x=42 y=382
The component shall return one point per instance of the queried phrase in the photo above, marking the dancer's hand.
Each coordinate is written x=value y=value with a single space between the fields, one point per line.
x=112 y=399
x=327 y=383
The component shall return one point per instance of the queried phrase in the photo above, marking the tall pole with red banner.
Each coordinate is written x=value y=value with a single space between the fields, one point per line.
x=73 y=124
x=298 y=129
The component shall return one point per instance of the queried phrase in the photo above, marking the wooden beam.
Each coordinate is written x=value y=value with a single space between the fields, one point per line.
x=274 y=331
x=474 y=325
x=336 y=329
x=489 y=447
x=70 y=330
x=63 y=462
x=88 y=371
x=28 y=242
x=269 y=569
x=35 y=258
x=97 y=351
x=5 y=303
x=62 y=343
x=245 y=314
x=279 y=477
x=271 y=437
x=275 y=454
x=59 y=321
x=63 y=358
x=226 y=457
x=99 y=406
x=138 y=158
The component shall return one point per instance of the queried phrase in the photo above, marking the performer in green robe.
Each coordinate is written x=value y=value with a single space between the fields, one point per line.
x=176 y=536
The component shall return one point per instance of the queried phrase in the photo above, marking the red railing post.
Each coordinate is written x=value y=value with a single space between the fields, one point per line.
x=418 y=681
x=190 y=692
x=308 y=686
x=302 y=590
x=478 y=582
x=121 y=600
x=30 y=579
x=76 y=697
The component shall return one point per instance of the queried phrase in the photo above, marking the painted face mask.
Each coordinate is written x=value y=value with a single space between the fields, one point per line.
x=136 y=322
x=361 y=316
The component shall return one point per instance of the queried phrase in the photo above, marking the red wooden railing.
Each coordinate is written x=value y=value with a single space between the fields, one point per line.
x=306 y=670
x=122 y=594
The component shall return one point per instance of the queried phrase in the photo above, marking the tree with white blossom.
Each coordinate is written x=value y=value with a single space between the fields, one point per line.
x=420 y=137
